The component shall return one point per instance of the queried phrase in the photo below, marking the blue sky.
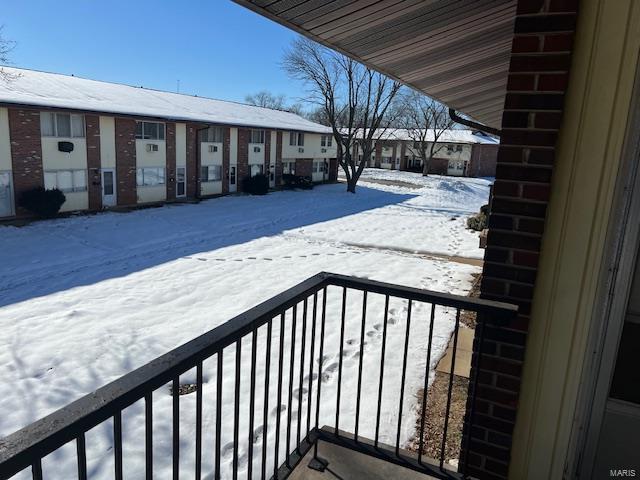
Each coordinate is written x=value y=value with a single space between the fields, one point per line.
x=214 y=47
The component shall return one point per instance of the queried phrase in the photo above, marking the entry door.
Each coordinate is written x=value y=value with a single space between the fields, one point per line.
x=181 y=182
x=108 y=187
x=233 y=187
x=272 y=175
x=6 y=195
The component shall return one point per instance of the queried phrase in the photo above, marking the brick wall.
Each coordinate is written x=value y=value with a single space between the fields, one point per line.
x=243 y=155
x=403 y=153
x=193 y=175
x=439 y=166
x=267 y=151
x=226 y=155
x=278 y=158
x=92 y=127
x=126 y=161
x=171 y=160
x=483 y=160
x=378 y=152
x=26 y=152
x=333 y=169
x=538 y=75
x=304 y=167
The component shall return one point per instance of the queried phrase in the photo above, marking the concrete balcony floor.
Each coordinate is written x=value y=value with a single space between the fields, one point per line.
x=346 y=464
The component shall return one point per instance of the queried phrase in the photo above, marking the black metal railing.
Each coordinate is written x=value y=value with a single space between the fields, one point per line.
x=298 y=368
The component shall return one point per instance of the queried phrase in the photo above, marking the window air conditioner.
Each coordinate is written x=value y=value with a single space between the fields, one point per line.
x=213 y=148
x=323 y=150
x=301 y=150
x=256 y=149
x=152 y=147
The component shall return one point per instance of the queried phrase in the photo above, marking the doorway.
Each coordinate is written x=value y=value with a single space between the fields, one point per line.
x=181 y=182
x=108 y=187
x=6 y=194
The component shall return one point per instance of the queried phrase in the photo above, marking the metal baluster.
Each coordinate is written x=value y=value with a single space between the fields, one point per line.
x=384 y=346
x=218 y=414
x=176 y=428
x=302 y=348
x=362 y=326
x=266 y=402
x=236 y=409
x=117 y=444
x=252 y=403
x=320 y=360
x=36 y=469
x=453 y=366
x=426 y=383
x=199 y=421
x=81 y=450
x=280 y=360
x=404 y=374
x=344 y=307
x=291 y=364
x=148 y=435
x=313 y=344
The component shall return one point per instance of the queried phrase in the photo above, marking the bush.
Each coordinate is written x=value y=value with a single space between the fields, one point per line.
x=296 y=181
x=477 y=222
x=256 y=185
x=42 y=203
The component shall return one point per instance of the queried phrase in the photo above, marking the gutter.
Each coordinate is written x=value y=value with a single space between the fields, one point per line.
x=474 y=125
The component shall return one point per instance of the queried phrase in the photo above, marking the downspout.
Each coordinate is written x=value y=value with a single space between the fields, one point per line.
x=474 y=125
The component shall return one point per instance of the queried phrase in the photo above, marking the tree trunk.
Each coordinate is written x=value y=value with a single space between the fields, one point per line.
x=425 y=167
x=351 y=185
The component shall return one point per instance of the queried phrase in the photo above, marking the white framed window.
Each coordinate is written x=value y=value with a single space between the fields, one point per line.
x=458 y=148
x=296 y=139
x=256 y=169
x=150 y=130
x=326 y=140
x=318 y=166
x=65 y=125
x=149 y=176
x=211 y=173
x=289 y=167
x=449 y=148
x=66 y=180
x=256 y=136
x=213 y=134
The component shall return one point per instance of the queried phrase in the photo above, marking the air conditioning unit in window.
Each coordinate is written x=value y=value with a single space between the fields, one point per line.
x=66 y=147
x=301 y=150
x=213 y=148
x=152 y=147
x=323 y=150
x=256 y=149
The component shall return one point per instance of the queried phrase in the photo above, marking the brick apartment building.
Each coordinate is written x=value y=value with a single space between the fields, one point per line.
x=109 y=145
x=458 y=152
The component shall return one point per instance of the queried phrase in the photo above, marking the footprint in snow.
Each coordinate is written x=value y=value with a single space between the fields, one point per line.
x=351 y=341
x=378 y=326
x=268 y=259
x=393 y=320
x=221 y=259
x=227 y=451
x=252 y=258
x=277 y=410
x=257 y=434
x=202 y=259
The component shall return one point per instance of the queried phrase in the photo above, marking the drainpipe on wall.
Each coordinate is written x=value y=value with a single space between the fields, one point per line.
x=471 y=124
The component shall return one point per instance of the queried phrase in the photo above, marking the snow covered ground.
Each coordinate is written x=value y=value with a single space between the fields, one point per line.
x=85 y=300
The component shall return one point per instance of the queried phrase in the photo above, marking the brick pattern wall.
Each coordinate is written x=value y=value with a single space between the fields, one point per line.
x=193 y=175
x=94 y=187
x=378 y=152
x=403 y=153
x=226 y=155
x=439 y=166
x=171 y=160
x=267 y=151
x=126 y=161
x=243 y=155
x=483 y=160
x=26 y=152
x=278 y=158
x=304 y=167
x=538 y=75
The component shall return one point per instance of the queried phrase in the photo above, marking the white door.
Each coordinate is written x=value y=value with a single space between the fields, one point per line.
x=272 y=175
x=6 y=194
x=181 y=182
x=233 y=179
x=108 y=187
x=456 y=167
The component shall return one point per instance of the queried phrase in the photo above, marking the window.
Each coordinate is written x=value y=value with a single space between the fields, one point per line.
x=296 y=139
x=458 y=148
x=232 y=175
x=289 y=167
x=66 y=180
x=150 y=130
x=211 y=173
x=257 y=136
x=318 y=167
x=449 y=148
x=63 y=125
x=256 y=169
x=326 y=140
x=213 y=134
x=149 y=176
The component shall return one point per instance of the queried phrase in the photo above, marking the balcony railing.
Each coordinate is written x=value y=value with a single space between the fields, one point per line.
x=334 y=358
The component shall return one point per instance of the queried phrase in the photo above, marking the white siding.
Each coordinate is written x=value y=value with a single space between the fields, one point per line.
x=107 y=142
x=5 y=142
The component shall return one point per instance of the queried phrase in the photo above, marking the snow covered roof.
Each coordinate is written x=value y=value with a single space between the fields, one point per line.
x=449 y=136
x=42 y=89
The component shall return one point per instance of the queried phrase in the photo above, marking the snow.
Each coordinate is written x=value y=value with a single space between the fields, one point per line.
x=86 y=299
x=31 y=87
x=452 y=135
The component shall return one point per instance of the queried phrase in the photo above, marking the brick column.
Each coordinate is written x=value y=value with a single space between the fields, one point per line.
x=126 y=161
x=26 y=152
x=403 y=153
x=304 y=167
x=193 y=186
x=538 y=74
x=267 y=151
x=226 y=155
x=243 y=156
x=92 y=126
x=333 y=169
x=278 y=158
x=378 y=152
x=171 y=160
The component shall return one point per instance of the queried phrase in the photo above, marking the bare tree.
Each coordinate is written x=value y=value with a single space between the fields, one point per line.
x=425 y=121
x=6 y=46
x=355 y=101
x=266 y=99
